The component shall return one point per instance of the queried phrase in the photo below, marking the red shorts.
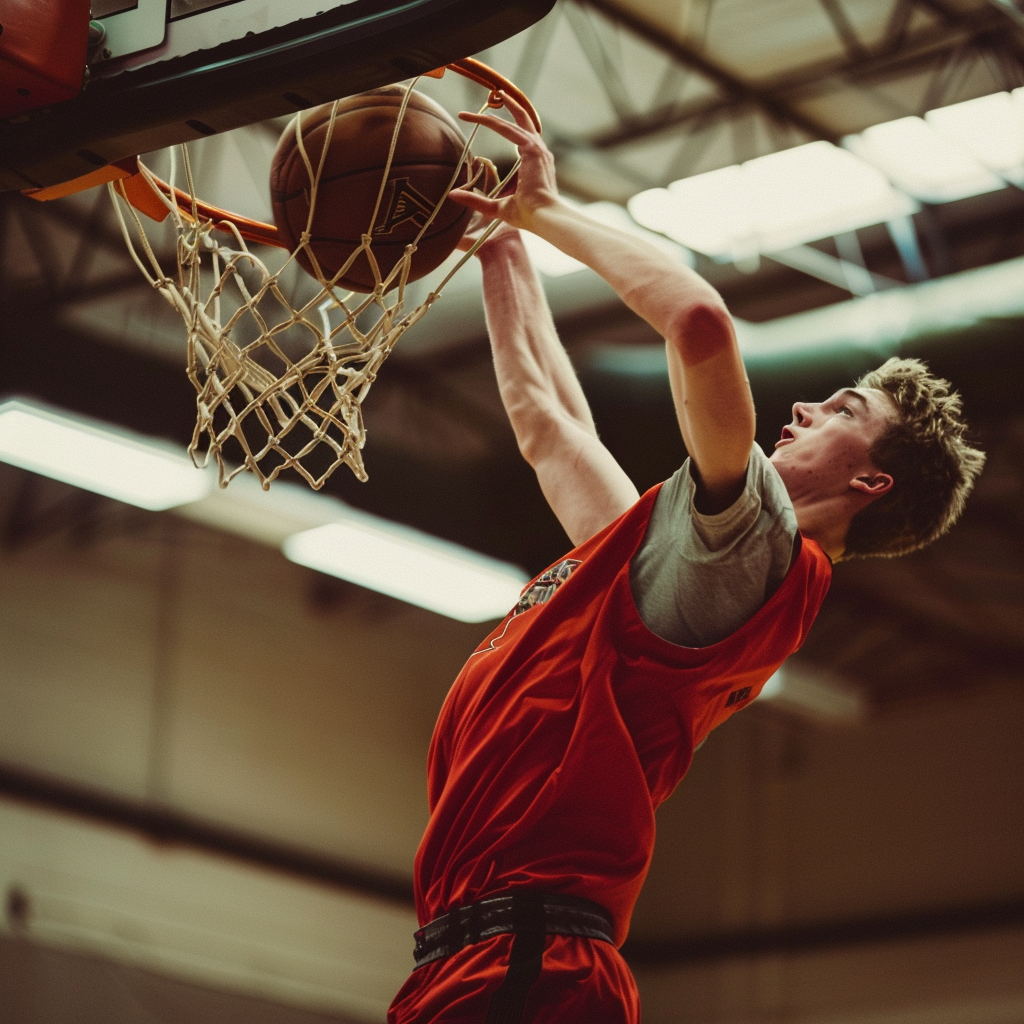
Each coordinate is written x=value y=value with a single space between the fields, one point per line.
x=584 y=981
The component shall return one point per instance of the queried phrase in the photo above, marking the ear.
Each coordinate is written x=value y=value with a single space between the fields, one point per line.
x=874 y=485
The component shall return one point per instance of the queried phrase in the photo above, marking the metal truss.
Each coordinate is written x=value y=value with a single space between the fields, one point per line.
x=70 y=252
x=946 y=50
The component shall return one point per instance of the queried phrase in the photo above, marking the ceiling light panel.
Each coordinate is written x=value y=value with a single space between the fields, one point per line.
x=97 y=457
x=816 y=191
x=990 y=128
x=922 y=161
x=709 y=213
x=410 y=566
x=772 y=203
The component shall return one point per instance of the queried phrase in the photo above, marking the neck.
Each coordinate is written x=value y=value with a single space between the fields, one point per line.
x=825 y=521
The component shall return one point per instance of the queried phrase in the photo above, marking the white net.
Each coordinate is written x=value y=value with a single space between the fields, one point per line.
x=279 y=385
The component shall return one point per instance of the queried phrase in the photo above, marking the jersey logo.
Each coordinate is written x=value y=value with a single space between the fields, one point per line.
x=543 y=588
x=405 y=204
x=539 y=592
x=738 y=696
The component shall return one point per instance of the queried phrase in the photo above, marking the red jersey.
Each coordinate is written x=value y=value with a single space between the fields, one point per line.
x=572 y=722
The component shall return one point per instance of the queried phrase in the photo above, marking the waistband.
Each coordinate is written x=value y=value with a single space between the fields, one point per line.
x=465 y=926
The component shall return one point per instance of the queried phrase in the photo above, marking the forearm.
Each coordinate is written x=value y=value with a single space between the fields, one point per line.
x=654 y=286
x=536 y=379
x=583 y=484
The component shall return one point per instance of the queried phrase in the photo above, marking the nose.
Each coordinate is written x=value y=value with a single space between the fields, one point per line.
x=802 y=412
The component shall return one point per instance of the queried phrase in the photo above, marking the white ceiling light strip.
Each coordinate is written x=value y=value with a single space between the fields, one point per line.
x=772 y=203
x=991 y=128
x=922 y=161
x=98 y=457
x=815 y=191
x=411 y=566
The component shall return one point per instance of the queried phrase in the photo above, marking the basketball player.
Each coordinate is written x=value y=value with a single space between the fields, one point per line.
x=580 y=713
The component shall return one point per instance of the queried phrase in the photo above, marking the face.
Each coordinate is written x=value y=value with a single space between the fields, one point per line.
x=823 y=453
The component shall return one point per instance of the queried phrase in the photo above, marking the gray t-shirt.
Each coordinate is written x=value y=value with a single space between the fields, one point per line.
x=695 y=578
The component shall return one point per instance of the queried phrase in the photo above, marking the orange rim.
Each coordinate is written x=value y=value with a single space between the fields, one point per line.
x=267 y=234
x=480 y=73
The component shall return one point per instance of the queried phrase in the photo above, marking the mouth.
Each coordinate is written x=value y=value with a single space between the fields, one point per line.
x=787 y=437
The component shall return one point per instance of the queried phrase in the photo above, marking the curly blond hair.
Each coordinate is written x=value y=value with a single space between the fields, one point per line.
x=926 y=453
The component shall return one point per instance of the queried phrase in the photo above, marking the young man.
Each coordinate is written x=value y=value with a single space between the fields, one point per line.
x=580 y=713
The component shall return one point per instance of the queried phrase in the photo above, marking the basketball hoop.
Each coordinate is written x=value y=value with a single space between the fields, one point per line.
x=265 y=401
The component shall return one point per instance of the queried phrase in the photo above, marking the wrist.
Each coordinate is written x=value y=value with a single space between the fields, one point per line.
x=505 y=242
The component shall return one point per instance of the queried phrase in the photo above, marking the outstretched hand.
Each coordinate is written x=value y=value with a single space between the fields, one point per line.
x=535 y=184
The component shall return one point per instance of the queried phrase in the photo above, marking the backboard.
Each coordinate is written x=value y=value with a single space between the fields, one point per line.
x=169 y=71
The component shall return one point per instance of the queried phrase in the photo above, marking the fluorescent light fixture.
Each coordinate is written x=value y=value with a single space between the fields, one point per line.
x=814 y=695
x=772 y=203
x=923 y=162
x=786 y=199
x=97 y=457
x=991 y=128
x=709 y=213
x=412 y=566
x=816 y=191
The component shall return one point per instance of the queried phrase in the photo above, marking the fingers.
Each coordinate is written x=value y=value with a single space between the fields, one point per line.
x=488 y=175
x=518 y=111
x=474 y=201
x=514 y=133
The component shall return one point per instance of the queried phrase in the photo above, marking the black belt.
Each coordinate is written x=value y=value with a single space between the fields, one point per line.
x=465 y=926
x=528 y=915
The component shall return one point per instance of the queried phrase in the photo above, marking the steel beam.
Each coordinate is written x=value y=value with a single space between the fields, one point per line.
x=735 y=87
x=778 y=96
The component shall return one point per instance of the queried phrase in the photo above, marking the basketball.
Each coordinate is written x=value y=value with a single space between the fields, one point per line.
x=427 y=153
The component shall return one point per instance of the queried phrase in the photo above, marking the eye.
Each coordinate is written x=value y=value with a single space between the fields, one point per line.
x=846 y=409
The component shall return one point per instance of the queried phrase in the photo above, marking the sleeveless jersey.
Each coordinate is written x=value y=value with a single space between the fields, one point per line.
x=572 y=721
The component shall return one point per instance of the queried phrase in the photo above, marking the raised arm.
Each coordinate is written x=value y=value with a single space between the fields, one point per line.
x=584 y=485
x=709 y=384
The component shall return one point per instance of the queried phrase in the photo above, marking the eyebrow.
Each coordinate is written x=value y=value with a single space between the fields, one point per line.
x=850 y=393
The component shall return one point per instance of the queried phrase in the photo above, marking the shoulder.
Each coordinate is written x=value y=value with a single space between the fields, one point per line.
x=697 y=578
x=763 y=507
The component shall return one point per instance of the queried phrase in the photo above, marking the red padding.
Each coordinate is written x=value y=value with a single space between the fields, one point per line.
x=42 y=52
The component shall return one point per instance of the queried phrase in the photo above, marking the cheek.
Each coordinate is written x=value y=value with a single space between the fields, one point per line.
x=852 y=453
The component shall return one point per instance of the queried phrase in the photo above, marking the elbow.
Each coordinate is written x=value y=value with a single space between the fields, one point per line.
x=536 y=426
x=701 y=331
